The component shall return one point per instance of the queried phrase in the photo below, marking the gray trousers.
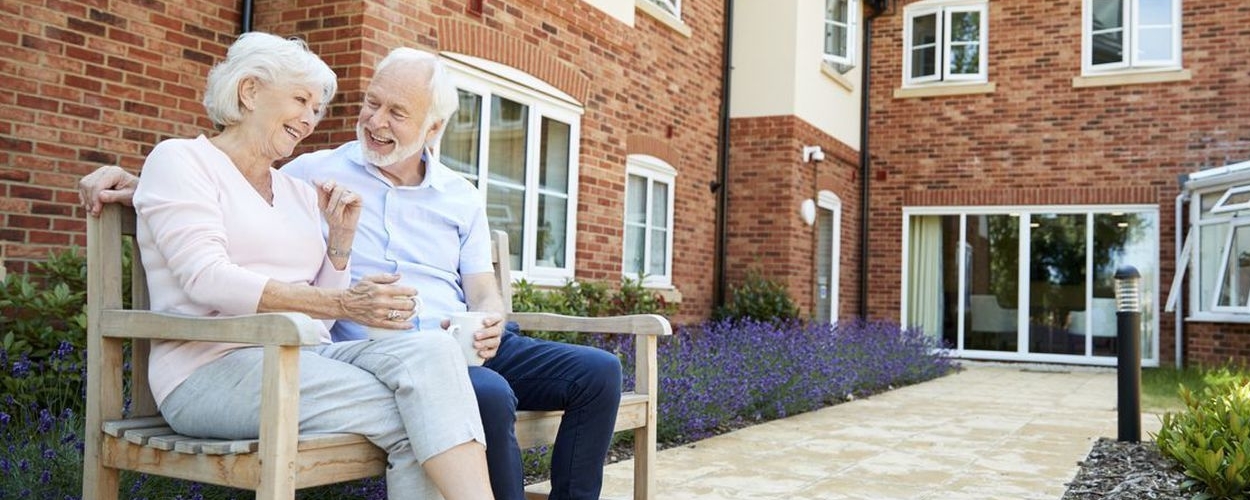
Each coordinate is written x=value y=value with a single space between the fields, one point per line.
x=408 y=394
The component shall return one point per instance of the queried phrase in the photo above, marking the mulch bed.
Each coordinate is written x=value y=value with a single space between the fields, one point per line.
x=1127 y=471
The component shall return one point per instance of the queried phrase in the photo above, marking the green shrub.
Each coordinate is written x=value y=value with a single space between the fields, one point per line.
x=590 y=298
x=760 y=299
x=1211 y=439
x=43 y=324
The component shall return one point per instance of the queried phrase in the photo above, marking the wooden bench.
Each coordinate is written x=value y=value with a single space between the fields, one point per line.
x=281 y=460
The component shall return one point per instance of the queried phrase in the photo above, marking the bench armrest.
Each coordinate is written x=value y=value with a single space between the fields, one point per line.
x=281 y=329
x=634 y=324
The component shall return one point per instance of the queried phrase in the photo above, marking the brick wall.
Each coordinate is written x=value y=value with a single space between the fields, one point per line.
x=93 y=87
x=767 y=182
x=1036 y=139
x=87 y=85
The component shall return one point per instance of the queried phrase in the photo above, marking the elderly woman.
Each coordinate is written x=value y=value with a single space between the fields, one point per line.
x=224 y=233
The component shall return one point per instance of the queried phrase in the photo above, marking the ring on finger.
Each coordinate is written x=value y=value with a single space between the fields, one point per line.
x=393 y=315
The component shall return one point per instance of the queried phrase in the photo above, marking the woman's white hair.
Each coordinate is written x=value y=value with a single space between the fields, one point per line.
x=269 y=59
x=444 y=99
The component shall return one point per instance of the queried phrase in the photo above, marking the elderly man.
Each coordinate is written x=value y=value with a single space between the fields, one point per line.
x=424 y=222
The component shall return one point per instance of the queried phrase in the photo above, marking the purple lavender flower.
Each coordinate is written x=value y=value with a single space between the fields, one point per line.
x=63 y=350
x=45 y=421
x=21 y=367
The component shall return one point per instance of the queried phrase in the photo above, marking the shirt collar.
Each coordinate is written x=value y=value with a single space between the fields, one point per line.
x=437 y=176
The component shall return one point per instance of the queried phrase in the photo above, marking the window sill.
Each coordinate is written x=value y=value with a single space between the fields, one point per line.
x=944 y=89
x=1210 y=317
x=1132 y=78
x=674 y=23
x=838 y=78
x=671 y=295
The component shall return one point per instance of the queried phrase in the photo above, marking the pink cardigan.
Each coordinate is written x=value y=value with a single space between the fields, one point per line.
x=210 y=243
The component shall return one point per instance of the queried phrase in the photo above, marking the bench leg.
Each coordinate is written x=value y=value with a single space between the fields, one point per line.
x=99 y=483
x=644 y=462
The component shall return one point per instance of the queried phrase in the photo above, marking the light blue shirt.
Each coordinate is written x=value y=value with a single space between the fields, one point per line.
x=431 y=234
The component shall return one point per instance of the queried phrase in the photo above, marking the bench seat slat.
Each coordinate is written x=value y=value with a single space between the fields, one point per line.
x=141 y=436
x=116 y=428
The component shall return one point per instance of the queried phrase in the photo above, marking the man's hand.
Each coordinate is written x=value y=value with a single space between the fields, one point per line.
x=107 y=184
x=379 y=301
x=486 y=341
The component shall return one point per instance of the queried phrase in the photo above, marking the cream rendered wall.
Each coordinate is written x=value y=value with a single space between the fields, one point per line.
x=824 y=100
x=777 y=68
x=622 y=10
x=762 y=81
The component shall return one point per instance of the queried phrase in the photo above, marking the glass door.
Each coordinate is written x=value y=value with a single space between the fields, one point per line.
x=993 y=286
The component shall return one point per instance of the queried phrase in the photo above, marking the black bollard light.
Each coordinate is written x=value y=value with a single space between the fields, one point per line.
x=1128 y=361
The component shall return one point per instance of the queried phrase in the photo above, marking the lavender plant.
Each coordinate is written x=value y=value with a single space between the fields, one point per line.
x=42 y=441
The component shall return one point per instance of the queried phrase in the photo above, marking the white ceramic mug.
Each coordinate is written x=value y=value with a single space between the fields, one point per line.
x=381 y=333
x=463 y=326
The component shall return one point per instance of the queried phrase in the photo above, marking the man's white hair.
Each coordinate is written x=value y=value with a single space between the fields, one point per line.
x=444 y=100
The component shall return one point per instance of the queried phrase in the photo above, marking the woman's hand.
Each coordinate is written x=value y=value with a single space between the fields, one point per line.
x=378 y=302
x=107 y=184
x=341 y=209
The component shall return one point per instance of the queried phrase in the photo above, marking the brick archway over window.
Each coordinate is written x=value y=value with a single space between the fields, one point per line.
x=478 y=41
x=639 y=144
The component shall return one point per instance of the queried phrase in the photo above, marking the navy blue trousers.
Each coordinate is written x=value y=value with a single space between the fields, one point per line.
x=533 y=374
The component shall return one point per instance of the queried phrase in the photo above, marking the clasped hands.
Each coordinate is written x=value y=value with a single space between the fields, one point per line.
x=378 y=301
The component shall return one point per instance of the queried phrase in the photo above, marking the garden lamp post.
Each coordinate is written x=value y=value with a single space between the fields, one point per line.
x=1128 y=342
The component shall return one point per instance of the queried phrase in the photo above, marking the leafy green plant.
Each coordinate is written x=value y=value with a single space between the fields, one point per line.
x=759 y=298
x=43 y=322
x=1211 y=439
x=587 y=298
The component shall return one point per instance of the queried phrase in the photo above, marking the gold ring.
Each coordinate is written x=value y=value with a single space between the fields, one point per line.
x=393 y=315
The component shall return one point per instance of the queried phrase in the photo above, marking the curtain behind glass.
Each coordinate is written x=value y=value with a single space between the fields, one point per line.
x=925 y=275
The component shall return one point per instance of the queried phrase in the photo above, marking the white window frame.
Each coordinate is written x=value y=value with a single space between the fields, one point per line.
x=851 y=25
x=1220 y=217
x=655 y=171
x=1132 y=33
x=487 y=79
x=943 y=10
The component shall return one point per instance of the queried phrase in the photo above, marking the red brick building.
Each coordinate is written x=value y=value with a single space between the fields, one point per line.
x=1015 y=152
x=613 y=82
x=1015 y=176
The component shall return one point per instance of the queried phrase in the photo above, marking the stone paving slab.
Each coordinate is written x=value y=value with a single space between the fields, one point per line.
x=988 y=432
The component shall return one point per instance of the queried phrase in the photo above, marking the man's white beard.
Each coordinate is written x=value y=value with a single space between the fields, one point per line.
x=399 y=153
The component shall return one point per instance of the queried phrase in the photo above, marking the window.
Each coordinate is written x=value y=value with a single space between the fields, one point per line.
x=945 y=42
x=840 y=19
x=670 y=7
x=518 y=144
x=649 y=220
x=1220 y=235
x=1131 y=34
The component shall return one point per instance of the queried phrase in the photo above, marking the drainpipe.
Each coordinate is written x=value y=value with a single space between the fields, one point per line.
x=878 y=7
x=720 y=186
x=1178 y=314
x=245 y=25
